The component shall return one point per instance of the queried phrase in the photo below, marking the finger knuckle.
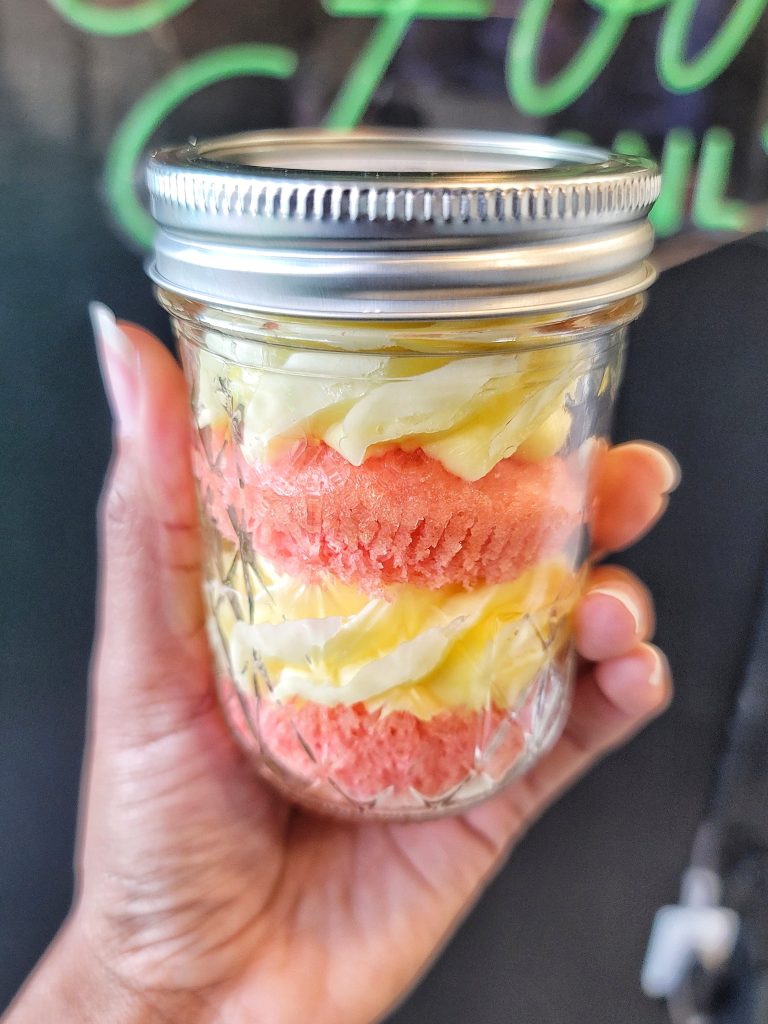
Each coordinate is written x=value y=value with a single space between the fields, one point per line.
x=120 y=511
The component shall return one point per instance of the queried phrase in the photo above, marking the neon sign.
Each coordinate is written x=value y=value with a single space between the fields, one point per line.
x=676 y=71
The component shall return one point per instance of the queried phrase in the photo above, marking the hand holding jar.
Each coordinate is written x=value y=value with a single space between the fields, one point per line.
x=201 y=893
x=379 y=548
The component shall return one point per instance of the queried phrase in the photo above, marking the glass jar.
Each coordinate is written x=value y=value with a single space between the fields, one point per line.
x=396 y=423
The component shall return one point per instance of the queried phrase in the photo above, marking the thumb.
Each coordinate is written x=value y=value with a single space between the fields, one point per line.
x=152 y=665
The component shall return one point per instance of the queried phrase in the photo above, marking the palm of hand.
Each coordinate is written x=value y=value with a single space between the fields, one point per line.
x=219 y=888
x=197 y=878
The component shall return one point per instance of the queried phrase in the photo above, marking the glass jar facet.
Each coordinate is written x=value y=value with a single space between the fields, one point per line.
x=396 y=520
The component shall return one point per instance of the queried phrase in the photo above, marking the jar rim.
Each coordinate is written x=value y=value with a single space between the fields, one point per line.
x=461 y=183
x=544 y=224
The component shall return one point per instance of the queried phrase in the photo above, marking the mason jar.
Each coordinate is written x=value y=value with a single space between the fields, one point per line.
x=403 y=351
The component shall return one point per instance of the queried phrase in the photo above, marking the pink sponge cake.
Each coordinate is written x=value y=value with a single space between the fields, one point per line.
x=400 y=517
x=366 y=753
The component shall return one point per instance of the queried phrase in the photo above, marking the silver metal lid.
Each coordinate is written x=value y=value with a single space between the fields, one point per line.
x=397 y=224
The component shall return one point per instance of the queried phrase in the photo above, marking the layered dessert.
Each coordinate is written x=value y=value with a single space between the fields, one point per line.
x=394 y=544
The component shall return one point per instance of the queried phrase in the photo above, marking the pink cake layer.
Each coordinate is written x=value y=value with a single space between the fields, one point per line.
x=365 y=753
x=401 y=517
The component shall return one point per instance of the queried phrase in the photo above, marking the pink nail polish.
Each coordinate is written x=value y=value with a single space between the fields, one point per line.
x=119 y=369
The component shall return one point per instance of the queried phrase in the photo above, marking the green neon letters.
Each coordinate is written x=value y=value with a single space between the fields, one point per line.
x=677 y=73
x=677 y=169
x=711 y=210
x=525 y=43
x=118 y=21
x=254 y=60
x=368 y=70
x=425 y=8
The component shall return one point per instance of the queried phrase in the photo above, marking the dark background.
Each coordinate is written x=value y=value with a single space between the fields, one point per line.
x=560 y=936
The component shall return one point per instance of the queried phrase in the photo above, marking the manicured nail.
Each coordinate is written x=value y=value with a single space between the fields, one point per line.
x=656 y=678
x=624 y=599
x=119 y=368
x=669 y=466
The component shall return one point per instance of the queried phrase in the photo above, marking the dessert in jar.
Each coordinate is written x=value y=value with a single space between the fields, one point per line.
x=403 y=352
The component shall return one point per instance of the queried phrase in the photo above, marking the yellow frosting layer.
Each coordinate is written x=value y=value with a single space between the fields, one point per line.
x=416 y=650
x=468 y=412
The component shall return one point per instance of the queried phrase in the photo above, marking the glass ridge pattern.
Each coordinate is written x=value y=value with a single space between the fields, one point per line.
x=298 y=751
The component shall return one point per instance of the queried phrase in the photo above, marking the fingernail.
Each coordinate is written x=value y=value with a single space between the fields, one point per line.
x=669 y=466
x=656 y=678
x=624 y=599
x=119 y=369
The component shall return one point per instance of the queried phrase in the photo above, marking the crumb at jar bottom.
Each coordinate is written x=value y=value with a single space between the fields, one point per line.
x=349 y=762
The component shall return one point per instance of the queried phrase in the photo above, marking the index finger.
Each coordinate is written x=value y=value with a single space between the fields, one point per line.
x=632 y=485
